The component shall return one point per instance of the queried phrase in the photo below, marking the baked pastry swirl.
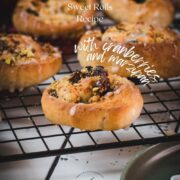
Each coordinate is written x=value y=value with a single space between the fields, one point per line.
x=154 y=12
x=24 y=62
x=92 y=99
x=52 y=18
x=156 y=50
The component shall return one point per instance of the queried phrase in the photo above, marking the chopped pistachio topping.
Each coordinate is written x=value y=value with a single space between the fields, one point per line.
x=95 y=89
x=26 y=52
x=12 y=51
x=8 y=60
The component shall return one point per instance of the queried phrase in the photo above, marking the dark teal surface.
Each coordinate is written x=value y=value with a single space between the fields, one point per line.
x=159 y=162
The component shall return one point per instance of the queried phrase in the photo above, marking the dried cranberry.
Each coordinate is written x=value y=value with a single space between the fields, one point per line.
x=100 y=71
x=76 y=77
x=104 y=86
x=89 y=68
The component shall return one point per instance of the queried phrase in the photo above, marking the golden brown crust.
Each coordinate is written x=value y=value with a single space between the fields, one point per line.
x=157 y=13
x=111 y=113
x=52 y=18
x=23 y=62
x=159 y=47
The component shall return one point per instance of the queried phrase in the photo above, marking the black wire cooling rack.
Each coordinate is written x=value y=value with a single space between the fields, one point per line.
x=25 y=133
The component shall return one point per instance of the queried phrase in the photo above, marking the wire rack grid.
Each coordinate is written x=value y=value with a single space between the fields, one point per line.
x=25 y=133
